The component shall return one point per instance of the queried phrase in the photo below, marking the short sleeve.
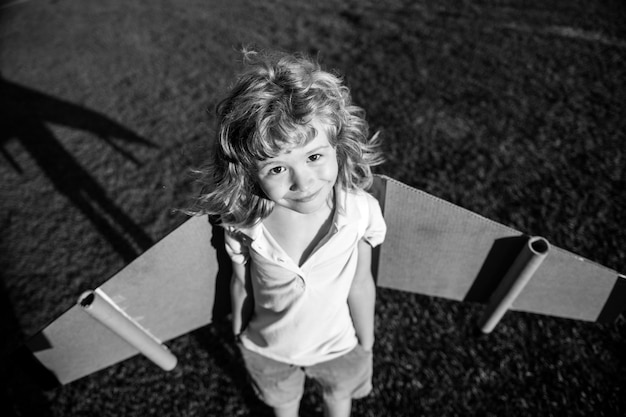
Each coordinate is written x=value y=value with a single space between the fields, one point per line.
x=376 y=227
x=235 y=247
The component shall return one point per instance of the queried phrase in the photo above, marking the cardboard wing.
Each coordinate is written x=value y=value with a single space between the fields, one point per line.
x=439 y=249
x=432 y=247
x=167 y=291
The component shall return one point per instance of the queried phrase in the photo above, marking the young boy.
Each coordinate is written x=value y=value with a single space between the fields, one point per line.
x=292 y=159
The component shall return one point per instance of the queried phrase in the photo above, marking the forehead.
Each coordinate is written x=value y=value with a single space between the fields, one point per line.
x=314 y=132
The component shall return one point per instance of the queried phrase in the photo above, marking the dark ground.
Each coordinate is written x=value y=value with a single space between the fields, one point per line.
x=512 y=109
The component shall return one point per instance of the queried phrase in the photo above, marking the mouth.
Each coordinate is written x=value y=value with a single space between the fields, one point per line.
x=307 y=198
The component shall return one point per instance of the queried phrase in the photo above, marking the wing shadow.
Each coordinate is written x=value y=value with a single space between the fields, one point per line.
x=26 y=114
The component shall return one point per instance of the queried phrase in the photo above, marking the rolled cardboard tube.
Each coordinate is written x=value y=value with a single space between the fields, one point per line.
x=98 y=305
x=516 y=278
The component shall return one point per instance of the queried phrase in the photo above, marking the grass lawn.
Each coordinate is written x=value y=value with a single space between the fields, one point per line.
x=512 y=109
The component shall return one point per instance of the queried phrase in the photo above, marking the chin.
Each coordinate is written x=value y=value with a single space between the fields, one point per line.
x=306 y=208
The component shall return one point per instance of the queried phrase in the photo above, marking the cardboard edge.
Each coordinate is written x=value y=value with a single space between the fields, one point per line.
x=379 y=191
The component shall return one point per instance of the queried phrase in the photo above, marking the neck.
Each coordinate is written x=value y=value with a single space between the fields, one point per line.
x=298 y=234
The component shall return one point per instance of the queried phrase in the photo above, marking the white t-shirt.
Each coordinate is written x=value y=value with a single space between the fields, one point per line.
x=301 y=313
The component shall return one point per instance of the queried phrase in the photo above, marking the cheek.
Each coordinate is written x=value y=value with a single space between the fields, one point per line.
x=273 y=190
x=332 y=169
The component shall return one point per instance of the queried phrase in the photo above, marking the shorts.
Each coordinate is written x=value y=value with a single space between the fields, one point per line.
x=279 y=384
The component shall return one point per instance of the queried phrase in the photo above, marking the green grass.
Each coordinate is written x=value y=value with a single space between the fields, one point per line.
x=512 y=109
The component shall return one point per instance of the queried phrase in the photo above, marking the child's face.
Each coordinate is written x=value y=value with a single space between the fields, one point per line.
x=301 y=178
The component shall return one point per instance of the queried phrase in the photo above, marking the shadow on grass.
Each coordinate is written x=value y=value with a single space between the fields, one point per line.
x=26 y=114
x=23 y=378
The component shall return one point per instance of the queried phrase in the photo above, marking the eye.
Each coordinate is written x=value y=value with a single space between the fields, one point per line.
x=276 y=170
x=315 y=157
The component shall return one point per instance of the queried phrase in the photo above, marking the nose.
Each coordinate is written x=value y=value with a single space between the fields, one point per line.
x=301 y=179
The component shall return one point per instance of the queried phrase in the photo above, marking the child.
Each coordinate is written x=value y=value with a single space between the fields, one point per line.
x=291 y=161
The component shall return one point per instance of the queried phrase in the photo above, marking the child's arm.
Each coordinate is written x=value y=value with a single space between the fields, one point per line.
x=362 y=297
x=241 y=298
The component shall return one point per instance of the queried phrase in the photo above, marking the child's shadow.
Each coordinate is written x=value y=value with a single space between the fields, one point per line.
x=26 y=116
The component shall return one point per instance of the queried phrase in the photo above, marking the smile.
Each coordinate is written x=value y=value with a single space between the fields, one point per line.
x=307 y=198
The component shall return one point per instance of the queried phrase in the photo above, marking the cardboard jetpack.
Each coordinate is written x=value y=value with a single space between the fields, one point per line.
x=432 y=247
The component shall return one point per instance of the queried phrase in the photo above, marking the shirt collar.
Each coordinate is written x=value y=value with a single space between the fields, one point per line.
x=341 y=206
x=253 y=232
